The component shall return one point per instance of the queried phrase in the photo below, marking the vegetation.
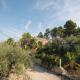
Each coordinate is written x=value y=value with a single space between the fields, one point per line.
x=40 y=35
x=13 y=58
x=63 y=43
x=28 y=42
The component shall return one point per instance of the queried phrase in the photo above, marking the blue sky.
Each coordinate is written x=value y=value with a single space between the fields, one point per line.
x=19 y=16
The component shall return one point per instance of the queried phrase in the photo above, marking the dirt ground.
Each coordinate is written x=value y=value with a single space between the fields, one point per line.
x=39 y=73
x=34 y=73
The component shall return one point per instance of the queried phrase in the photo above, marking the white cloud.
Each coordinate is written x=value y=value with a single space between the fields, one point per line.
x=3 y=2
x=60 y=10
x=70 y=9
x=43 y=4
x=10 y=32
x=28 y=24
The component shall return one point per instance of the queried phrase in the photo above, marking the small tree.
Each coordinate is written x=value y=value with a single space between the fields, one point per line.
x=26 y=41
x=26 y=36
x=40 y=35
x=10 y=41
x=47 y=33
x=70 y=27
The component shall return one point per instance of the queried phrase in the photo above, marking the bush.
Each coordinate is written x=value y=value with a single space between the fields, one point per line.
x=13 y=56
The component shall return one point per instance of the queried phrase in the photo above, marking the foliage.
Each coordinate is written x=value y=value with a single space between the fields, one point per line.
x=12 y=56
x=33 y=43
x=28 y=42
x=57 y=32
x=10 y=41
x=26 y=36
x=47 y=33
x=40 y=35
x=67 y=49
x=70 y=27
x=54 y=32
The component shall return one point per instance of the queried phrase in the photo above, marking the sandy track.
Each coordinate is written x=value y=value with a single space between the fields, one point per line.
x=39 y=73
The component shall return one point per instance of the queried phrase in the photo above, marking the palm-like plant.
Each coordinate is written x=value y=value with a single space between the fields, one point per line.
x=70 y=61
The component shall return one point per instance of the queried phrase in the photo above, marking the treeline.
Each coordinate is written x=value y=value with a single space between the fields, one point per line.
x=69 y=28
x=63 y=44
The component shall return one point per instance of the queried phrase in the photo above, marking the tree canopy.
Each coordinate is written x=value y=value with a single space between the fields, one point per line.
x=70 y=27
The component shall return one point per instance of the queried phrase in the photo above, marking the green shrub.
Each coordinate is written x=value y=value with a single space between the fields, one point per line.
x=13 y=56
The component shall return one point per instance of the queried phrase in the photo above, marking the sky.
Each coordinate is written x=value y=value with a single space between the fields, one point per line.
x=34 y=16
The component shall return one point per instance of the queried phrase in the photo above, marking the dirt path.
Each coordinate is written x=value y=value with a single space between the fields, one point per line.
x=39 y=73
